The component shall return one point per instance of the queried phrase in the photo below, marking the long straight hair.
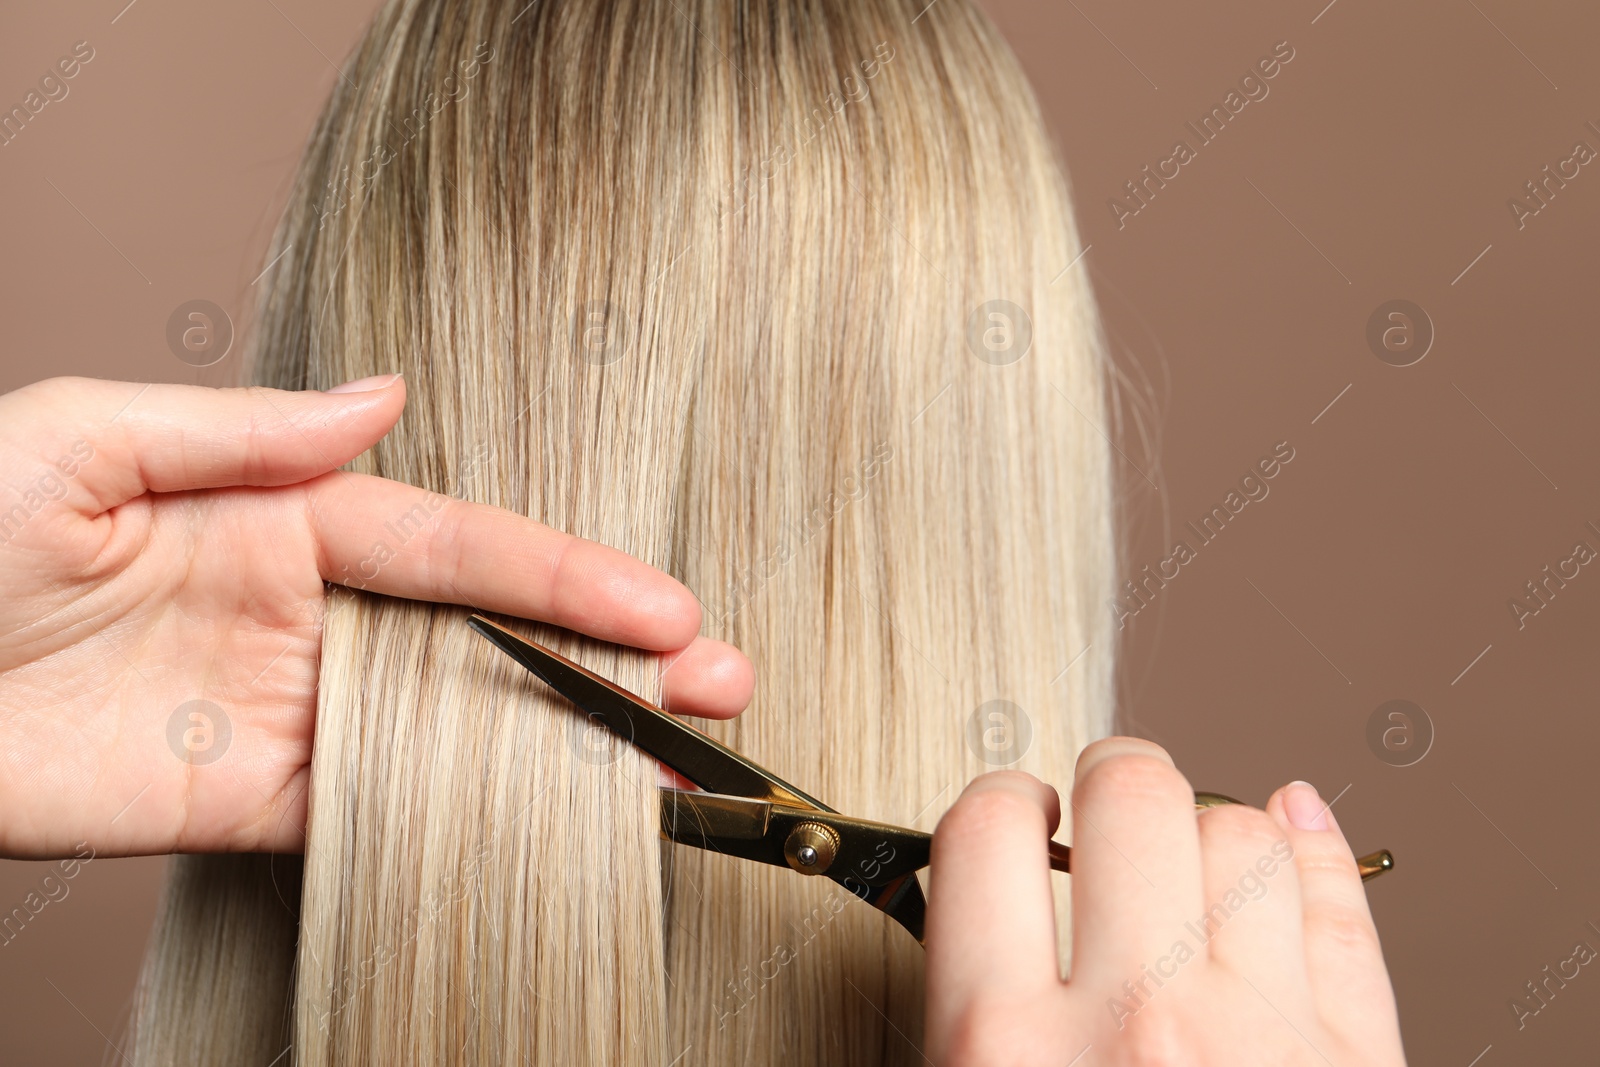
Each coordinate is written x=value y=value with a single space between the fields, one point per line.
x=782 y=297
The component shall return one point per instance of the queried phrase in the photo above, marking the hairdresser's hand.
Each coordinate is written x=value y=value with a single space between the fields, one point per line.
x=1240 y=938
x=164 y=544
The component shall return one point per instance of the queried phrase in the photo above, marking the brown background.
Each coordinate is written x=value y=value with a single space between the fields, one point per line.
x=1379 y=567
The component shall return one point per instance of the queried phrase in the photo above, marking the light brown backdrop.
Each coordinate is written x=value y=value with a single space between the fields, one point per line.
x=1379 y=567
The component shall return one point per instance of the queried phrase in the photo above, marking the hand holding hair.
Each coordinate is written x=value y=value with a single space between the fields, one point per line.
x=168 y=544
x=1238 y=937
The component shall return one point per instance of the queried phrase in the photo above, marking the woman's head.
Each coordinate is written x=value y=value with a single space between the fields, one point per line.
x=778 y=297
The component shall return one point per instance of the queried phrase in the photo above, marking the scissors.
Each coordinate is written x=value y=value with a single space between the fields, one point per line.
x=747 y=811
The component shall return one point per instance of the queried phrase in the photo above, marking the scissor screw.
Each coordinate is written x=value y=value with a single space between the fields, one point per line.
x=811 y=847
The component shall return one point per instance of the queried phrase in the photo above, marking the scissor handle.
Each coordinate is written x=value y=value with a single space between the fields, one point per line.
x=1370 y=866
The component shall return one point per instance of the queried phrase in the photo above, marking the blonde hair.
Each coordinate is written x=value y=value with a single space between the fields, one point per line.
x=783 y=298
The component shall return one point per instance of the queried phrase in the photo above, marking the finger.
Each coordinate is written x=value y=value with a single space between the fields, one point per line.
x=1342 y=952
x=402 y=541
x=710 y=678
x=1135 y=865
x=1252 y=902
x=164 y=438
x=991 y=920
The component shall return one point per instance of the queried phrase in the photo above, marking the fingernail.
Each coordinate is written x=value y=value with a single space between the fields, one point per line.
x=1305 y=808
x=366 y=385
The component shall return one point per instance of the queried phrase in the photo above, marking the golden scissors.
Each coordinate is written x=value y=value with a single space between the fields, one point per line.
x=748 y=812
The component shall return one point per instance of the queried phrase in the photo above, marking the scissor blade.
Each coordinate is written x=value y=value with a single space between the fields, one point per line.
x=698 y=757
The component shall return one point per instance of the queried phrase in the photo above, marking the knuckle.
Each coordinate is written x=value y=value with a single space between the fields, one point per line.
x=1137 y=778
x=61 y=387
x=447 y=546
x=992 y=1030
x=1331 y=861
x=1153 y=1039
x=974 y=1035
x=559 y=567
x=54 y=395
x=1241 y=825
x=1344 y=928
x=255 y=448
x=976 y=816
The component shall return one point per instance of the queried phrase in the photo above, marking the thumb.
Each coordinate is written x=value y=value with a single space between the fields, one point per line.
x=167 y=438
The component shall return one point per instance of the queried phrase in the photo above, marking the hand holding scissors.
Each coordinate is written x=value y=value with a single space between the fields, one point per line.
x=1240 y=937
x=745 y=811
